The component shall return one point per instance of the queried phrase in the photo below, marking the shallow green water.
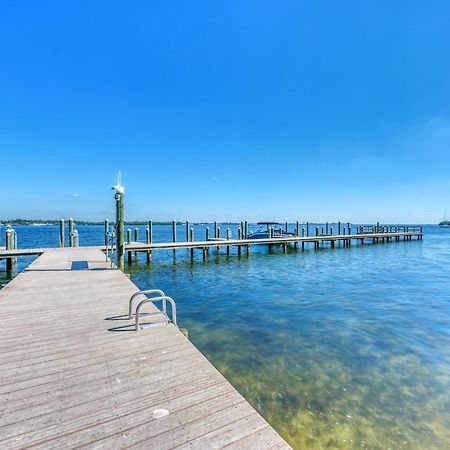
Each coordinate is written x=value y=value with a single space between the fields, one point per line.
x=340 y=348
x=344 y=348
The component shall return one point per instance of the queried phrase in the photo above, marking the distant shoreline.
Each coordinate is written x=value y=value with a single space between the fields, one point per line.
x=41 y=222
x=27 y=222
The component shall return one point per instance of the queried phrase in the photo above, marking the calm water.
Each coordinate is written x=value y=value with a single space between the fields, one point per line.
x=340 y=348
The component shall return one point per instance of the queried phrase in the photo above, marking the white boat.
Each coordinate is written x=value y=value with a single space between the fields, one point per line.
x=266 y=228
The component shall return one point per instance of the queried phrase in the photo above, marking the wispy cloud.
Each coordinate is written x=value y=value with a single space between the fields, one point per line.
x=75 y=195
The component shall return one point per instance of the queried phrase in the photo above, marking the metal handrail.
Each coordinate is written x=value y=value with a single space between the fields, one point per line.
x=147 y=292
x=153 y=300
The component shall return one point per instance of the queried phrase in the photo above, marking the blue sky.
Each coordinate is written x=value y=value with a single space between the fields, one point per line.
x=226 y=110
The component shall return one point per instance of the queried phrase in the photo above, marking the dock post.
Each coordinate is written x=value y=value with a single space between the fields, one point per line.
x=286 y=227
x=216 y=233
x=106 y=233
x=11 y=244
x=207 y=239
x=70 y=232
x=192 y=240
x=76 y=238
x=240 y=238
x=136 y=239
x=326 y=229
x=150 y=238
x=120 y=225
x=128 y=243
x=245 y=231
x=228 y=238
x=316 y=242
x=339 y=227
x=187 y=230
x=296 y=233
x=303 y=235
x=62 y=240
x=322 y=232
x=174 y=234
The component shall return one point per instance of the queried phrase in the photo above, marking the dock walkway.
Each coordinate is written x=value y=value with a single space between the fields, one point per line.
x=68 y=381
x=330 y=239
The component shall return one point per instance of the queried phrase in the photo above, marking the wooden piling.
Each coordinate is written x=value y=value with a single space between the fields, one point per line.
x=106 y=232
x=120 y=228
x=136 y=239
x=339 y=228
x=307 y=228
x=129 y=242
x=70 y=232
x=187 y=230
x=239 y=238
x=192 y=240
x=62 y=240
x=11 y=244
x=149 y=239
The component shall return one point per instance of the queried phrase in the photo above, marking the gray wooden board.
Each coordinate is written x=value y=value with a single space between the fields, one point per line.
x=67 y=381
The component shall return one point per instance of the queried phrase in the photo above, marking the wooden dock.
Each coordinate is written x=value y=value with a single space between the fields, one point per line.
x=69 y=380
x=331 y=239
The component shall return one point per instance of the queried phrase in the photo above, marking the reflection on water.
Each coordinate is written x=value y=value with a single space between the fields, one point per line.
x=343 y=348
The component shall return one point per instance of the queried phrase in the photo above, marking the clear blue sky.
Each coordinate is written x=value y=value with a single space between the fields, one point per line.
x=318 y=110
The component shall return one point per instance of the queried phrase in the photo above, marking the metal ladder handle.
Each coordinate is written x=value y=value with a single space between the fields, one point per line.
x=153 y=300
x=148 y=292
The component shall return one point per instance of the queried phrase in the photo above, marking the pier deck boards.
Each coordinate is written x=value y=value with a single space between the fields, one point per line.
x=67 y=381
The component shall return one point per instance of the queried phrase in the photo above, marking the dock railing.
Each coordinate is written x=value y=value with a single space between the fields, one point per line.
x=370 y=229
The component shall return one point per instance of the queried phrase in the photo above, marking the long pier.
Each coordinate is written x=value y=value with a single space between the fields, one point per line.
x=387 y=234
x=74 y=375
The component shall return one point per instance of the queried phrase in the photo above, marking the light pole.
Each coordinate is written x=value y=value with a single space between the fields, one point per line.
x=120 y=219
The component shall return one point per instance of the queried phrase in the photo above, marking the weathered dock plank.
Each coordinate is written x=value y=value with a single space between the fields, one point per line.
x=67 y=380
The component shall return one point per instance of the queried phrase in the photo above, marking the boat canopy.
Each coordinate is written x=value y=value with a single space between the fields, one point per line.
x=268 y=223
